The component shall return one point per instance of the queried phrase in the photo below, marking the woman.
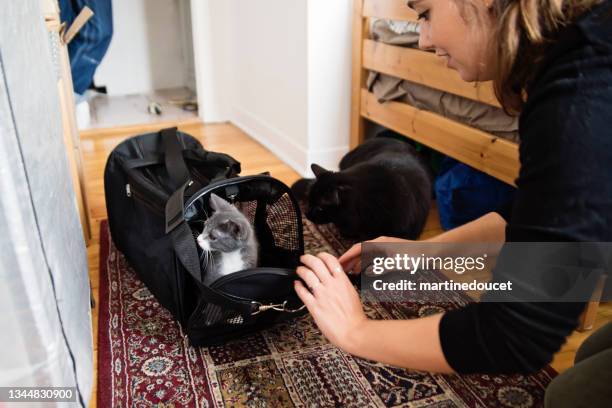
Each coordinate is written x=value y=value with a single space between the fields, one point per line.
x=551 y=62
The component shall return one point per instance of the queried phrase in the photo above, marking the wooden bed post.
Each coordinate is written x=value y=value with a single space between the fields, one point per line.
x=358 y=80
x=588 y=317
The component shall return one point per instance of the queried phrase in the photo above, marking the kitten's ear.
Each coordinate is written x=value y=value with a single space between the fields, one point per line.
x=216 y=202
x=318 y=170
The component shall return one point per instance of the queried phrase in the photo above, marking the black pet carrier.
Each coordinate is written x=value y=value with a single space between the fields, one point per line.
x=157 y=190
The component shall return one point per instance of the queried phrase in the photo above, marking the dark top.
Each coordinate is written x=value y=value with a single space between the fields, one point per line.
x=564 y=194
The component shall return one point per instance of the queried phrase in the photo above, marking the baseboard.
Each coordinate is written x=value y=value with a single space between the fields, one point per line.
x=284 y=147
x=271 y=138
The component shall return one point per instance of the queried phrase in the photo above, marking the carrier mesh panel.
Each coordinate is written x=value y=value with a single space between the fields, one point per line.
x=282 y=221
x=213 y=314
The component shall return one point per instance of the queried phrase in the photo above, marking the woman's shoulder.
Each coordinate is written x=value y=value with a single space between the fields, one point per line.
x=576 y=74
x=581 y=54
x=565 y=124
x=596 y=25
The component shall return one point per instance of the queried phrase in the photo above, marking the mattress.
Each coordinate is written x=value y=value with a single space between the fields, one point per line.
x=387 y=88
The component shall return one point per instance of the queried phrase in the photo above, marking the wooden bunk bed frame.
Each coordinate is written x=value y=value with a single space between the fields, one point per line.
x=493 y=155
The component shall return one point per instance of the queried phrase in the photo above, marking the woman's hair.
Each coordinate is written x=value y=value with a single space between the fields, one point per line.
x=525 y=28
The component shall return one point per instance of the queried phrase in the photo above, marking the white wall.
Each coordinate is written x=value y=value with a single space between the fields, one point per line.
x=211 y=30
x=270 y=68
x=329 y=80
x=280 y=70
x=148 y=50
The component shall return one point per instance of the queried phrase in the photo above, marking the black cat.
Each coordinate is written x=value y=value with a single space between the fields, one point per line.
x=382 y=188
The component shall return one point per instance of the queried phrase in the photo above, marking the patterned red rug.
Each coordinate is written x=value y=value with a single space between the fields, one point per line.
x=146 y=361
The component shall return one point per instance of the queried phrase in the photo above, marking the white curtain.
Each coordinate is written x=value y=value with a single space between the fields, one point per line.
x=45 y=318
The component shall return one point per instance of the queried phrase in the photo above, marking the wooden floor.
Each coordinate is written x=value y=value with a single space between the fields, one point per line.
x=112 y=111
x=255 y=159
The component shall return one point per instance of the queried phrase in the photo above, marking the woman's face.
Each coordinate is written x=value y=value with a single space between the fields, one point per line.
x=460 y=31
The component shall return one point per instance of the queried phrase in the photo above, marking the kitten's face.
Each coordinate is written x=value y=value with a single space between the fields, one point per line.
x=325 y=196
x=226 y=230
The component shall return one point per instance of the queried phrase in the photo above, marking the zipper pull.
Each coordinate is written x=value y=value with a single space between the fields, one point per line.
x=231 y=192
x=128 y=190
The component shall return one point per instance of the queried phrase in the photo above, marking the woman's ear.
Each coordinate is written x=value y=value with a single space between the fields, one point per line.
x=318 y=170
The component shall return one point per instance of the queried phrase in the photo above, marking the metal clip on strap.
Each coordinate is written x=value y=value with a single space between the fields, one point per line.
x=279 y=307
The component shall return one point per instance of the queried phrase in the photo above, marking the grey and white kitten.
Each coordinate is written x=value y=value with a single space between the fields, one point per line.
x=228 y=241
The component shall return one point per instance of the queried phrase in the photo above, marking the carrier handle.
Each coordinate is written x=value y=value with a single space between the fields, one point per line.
x=173 y=156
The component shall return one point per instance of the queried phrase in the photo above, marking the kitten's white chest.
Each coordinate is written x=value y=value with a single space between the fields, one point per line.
x=231 y=262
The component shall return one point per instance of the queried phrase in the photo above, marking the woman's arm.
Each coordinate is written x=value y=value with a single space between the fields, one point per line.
x=413 y=344
x=490 y=227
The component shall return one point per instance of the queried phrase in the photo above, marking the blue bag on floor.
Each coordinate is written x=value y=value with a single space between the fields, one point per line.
x=464 y=194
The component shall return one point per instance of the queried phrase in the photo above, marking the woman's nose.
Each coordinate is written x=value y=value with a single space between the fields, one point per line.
x=424 y=38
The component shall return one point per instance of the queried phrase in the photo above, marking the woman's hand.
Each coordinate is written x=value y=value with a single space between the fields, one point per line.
x=336 y=308
x=351 y=259
x=331 y=299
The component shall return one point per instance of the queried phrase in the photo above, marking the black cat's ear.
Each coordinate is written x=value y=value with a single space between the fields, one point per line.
x=318 y=170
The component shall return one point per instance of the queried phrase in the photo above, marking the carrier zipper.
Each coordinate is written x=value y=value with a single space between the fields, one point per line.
x=145 y=201
x=258 y=306
x=226 y=183
x=248 y=272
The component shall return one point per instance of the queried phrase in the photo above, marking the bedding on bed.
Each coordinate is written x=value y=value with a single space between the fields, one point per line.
x=388 y=88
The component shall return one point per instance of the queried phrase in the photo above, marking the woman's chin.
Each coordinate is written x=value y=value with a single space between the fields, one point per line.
x=466 y=75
